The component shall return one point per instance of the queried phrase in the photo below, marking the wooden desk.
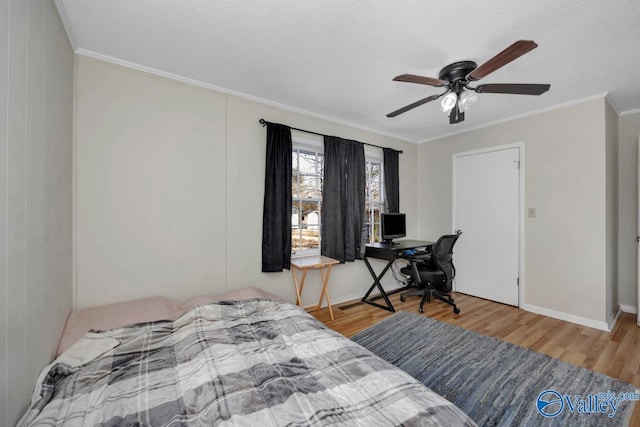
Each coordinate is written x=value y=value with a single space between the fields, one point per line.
x=313 y=262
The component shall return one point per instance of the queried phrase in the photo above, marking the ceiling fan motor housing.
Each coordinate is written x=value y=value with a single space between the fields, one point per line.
x=457 y=71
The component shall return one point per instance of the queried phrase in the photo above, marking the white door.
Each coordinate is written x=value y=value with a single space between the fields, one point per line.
x=486 y=208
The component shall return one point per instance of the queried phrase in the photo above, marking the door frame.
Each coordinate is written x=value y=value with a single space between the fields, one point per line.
x=521 y=207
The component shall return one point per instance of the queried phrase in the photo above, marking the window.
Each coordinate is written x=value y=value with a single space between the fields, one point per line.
x=373 y=200
x=306 y=195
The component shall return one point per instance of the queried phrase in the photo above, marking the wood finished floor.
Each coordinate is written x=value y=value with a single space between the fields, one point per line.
x=615 y=353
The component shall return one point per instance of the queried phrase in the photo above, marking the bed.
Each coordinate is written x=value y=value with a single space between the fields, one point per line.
x=255 y=360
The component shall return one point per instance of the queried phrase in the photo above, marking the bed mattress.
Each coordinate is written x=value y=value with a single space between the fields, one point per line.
x=248 y=362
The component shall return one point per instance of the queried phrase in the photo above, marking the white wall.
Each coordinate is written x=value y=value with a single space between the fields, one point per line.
x=565 y=180
x=150 y=161
x=629 y=130
x=170 y=188
x=36 y=103
x=170 y=185
x=612 y=202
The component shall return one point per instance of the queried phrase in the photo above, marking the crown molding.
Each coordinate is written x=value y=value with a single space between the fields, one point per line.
x=613 y=103
x=194 y=82
x=629 y=112
x=66 y=23
x=519 y=116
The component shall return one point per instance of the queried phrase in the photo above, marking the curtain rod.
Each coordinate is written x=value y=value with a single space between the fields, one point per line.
x=263 y=122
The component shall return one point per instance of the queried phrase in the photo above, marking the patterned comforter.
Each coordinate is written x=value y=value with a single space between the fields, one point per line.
x=251 y=363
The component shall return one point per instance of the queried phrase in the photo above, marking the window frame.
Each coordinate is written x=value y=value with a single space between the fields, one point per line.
x=316 y=145
x=374 y=156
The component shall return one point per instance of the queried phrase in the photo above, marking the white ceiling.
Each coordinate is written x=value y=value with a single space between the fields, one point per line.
x=336 y=58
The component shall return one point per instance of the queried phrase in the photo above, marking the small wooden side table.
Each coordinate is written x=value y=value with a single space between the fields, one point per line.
x=313 y=262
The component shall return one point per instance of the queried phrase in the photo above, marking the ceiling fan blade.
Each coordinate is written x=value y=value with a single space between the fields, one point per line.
x=514 y=88
x=414 y=105
x=514 y=51
x=412 y=78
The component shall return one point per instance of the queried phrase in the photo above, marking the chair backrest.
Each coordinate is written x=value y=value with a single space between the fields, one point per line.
x=442 y=254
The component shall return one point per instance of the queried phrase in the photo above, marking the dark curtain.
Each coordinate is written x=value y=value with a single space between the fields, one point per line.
x=276 y=213
x=391 y=179
x=343 y=198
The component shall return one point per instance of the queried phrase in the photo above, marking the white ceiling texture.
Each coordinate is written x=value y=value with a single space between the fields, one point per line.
x=336 y=59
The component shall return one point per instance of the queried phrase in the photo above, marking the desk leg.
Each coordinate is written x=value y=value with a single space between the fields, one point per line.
x=325 y=281
x=298 y=285
x=376 y=283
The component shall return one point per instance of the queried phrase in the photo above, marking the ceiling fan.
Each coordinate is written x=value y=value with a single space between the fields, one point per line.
x=456 y=77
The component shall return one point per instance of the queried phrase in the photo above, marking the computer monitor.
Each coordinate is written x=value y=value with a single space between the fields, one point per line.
x=393 y=225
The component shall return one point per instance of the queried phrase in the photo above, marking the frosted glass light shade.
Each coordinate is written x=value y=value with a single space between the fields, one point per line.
x=448 y=102
x=467 y=100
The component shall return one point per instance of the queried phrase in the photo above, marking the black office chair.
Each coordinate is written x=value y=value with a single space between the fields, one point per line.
x=433 y=276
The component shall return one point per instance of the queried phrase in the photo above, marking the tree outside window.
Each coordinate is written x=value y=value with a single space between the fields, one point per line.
x=306 y=193
x=373 y=201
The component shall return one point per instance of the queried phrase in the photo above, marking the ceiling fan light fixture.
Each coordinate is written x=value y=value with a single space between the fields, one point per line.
x=456 y=76
x=448 y=102
x=467 y=100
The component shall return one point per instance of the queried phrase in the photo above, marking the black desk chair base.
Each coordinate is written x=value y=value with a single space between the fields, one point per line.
x=426 y=295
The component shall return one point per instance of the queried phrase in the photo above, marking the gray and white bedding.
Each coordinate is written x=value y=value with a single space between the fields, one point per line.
x=252 y=362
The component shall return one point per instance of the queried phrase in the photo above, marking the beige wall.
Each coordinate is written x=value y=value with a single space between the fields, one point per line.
x=170 y=187
x=611 y=150
x=150 y=192
x=170 y=184
x=629 y=130
x=36 y=93
x=565 y=180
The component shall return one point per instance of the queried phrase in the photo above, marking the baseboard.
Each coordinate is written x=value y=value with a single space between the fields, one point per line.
x=334 y=302
x=603 y=326
x=628 y=309
x=350 y=298
x=611 y=321
x=347 y=298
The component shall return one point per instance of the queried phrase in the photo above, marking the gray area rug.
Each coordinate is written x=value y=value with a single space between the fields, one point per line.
x=497 y=383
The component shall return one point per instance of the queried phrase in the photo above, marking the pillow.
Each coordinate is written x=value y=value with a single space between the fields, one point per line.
x=116 y=315
x=88 y=348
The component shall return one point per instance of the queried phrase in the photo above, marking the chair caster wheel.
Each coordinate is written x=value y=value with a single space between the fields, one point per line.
x=402 y=298
x=421 y=310
x=456 y=310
